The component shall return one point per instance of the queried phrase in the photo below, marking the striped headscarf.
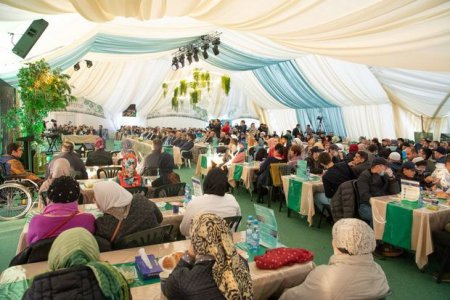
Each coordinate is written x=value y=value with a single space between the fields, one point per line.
x=210 y=235
x=76 y=247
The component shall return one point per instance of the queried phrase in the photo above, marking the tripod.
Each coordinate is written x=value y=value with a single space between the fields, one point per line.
x=320 y=126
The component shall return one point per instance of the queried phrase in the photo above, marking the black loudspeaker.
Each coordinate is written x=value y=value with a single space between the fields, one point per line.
x=30 y=37
x=7 y=101
x=130 y=111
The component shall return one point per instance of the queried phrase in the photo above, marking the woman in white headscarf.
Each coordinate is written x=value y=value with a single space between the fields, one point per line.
x=123 y=213
x=351 y=273
x=60 y=167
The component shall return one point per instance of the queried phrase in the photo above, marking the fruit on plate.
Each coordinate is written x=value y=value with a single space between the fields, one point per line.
x=170 y=261
x=442 y=195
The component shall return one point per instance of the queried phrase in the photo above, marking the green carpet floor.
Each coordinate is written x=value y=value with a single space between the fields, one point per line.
x=405 y=280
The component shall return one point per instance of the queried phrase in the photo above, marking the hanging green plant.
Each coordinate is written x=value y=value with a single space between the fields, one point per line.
x=226 y=84
x=196 y=75
x=195 y=97
x=175 y=99
x=193 y=85
x=165 y=89
x=183 y=87
x=41 y=90
x=208 y=80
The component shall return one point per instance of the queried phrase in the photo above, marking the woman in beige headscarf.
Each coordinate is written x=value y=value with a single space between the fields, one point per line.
x=123 y=213
x=351 y=272
x=60 y=167
x=211 y=268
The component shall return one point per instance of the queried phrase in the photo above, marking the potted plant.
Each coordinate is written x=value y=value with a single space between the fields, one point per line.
x=41 y=90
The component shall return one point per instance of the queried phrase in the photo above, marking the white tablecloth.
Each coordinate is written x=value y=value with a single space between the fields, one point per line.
x=265 y=282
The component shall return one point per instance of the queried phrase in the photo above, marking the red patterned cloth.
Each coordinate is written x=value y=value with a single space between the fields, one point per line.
x=279 y=257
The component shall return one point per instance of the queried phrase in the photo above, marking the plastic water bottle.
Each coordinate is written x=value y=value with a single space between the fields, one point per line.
x=187 y=195
x=308 y=173
x=421 y=197
x=255 y=236
x=248 y=231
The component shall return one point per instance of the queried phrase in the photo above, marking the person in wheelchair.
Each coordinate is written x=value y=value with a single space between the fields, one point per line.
x=13 y=166
x=61 y=213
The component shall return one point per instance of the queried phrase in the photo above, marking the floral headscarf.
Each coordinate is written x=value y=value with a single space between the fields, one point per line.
x=210 y=235
x=127 y=178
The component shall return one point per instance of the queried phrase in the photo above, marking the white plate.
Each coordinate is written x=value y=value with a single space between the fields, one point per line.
x=161 y=204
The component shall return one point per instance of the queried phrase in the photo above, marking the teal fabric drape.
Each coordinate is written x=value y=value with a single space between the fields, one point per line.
x=230 y=58
x=332 y=119
x=286 y=83
x=107 y=43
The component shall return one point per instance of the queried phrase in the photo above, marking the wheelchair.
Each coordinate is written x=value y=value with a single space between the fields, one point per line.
x=17 y=195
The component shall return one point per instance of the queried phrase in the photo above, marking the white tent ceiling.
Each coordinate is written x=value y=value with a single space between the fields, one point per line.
x=351 y=52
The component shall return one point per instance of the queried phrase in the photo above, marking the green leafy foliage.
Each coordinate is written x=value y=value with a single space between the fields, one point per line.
x=226 y=82
x=183 y=87
x=165 y=89
x=41 y=90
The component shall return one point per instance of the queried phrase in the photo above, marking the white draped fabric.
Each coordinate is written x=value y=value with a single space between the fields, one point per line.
x=369 y=121
x=341 y=82
x=383 y=33
x=135 y=82
x=413 y=87
x=286 y=119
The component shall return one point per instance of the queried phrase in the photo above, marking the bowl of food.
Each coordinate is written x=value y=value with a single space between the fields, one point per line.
x=169 y=262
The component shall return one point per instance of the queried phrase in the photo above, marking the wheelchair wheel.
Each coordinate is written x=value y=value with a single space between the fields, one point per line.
x=15 y=201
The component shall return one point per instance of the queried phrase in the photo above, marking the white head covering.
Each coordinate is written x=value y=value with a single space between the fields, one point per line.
x=395 y=156
x=298 y=142
x=60 y=167
x=109 y=194
x=354 y=235
x=417 y=159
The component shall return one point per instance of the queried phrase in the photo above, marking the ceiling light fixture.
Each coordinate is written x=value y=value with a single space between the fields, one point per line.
x=191 y=51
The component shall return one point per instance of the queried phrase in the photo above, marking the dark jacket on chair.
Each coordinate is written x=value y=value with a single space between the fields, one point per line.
x=74 y=283
x=343 y=203
x=193 y=282
x=99 y=158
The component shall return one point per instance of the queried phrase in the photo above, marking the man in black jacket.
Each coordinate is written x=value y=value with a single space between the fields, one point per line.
x=379 y=180
x=75 y=161
x=334 y=175
x=99 y=157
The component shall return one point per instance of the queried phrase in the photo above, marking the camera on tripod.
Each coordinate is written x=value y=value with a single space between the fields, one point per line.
x=320 y=118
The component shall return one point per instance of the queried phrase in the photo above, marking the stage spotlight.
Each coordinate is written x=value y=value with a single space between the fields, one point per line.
x=205 y=48
x=89 y=63
x=195 y=55
x=181 y=60
x=76 y=67
x=174 y=63
x=215 y=42
x=189 y=56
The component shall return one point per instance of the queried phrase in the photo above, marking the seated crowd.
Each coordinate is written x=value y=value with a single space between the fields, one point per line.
x=211 y=268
